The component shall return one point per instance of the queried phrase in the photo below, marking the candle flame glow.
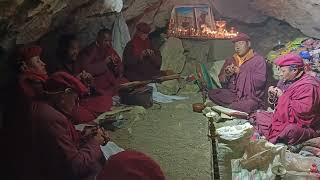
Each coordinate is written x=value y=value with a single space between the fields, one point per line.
x=204 y=32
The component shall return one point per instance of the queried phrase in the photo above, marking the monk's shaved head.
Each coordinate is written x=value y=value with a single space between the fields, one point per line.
x=104 y=31
x=104 y=37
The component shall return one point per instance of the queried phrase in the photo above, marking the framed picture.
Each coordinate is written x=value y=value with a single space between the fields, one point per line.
x=193 y=17
x=185 y=17
x=204 y=18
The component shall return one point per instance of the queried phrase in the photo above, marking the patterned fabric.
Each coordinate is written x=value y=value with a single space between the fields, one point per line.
x=204 y=77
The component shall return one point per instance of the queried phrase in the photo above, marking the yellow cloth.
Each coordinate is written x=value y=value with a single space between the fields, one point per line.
x=240 y=60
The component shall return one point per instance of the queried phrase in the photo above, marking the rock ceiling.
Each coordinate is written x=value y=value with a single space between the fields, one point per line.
x=24 y=21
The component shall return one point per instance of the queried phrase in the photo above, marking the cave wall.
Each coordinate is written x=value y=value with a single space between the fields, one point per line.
x=27 y=21
x=301 y=14
x=24 y=21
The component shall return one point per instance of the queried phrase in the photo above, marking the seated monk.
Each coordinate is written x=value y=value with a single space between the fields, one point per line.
x=32 y=71
x=59 y=151
x=103 y=63
x=141 y=61
x=243 y=78
x=34 y=75
x=115 y=64
x=296 y=116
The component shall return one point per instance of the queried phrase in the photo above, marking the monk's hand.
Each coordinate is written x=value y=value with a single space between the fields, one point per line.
x=229 y=71
x=85 y=77
x=271 y=91
x=149 y=52
x=89 y=130
x=274 y=91
x=99 y=137
x=145 y=52
x=106 y=135
x=279 y=92
x=114 y=60
x=236 y=69
x=108 y=59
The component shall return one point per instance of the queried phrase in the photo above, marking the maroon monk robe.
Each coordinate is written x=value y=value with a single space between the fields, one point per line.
x=117 y=66
x=31 y=82
x=92 y=59
x=245 y=91
x=58 y=150
x=296 y=116
x=136 y=68
x=17 y=119
x=91 y=106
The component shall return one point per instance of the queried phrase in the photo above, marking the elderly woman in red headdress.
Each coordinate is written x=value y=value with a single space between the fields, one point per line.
x=33 y=75
x=103 y=63
x=243 y=78
x=33 y=70
x=296 y=117
x=59 y=151
x=141 y=61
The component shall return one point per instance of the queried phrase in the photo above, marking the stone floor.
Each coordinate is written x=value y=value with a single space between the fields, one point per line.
x=174 y=136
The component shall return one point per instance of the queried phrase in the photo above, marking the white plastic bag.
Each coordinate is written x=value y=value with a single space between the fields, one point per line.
x=121 y=34
x=115 y=5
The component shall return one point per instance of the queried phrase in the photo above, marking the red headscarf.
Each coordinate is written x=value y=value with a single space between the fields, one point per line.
x=289 y=59
x=30 y=51
x=60 y=81
x=131 y=165
x=139 y=45
x=31 y=82
x=241 y=37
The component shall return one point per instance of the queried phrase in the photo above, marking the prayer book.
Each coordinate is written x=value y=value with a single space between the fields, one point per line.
x=229 y=113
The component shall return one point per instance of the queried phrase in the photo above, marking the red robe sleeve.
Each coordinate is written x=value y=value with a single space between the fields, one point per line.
x=222 y=75
x=129 y=59
x=156 y=60
x=301 y=106
x=83 y=159
x=259 y=74
x=131 y=63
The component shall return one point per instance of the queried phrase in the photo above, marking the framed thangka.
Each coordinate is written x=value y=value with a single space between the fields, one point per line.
x=204 y=18
x=184 y=18
x=197 y=21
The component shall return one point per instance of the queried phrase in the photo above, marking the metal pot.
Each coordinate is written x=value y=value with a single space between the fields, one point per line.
x=198 y=107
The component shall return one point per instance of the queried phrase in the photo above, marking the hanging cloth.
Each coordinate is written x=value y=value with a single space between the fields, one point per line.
x=121 y=34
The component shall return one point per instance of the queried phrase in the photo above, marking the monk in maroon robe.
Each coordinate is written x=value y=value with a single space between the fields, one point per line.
x=141 y=60
x=17 y=113
x=296 y=117
x=243 y=78
x=34 y=75
x=97 y=101
x=59 y=151
x=103 y=63
x=115 y=64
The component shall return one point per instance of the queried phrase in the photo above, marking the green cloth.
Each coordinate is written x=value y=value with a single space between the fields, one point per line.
x=204 y=76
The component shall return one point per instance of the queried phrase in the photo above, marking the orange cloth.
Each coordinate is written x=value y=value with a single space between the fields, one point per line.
x=240 y=60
